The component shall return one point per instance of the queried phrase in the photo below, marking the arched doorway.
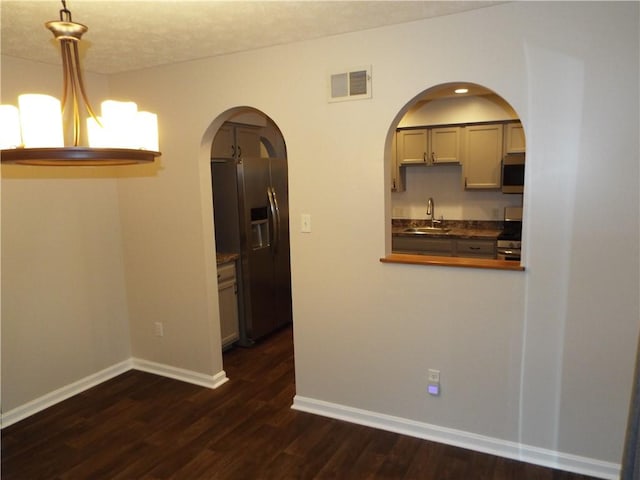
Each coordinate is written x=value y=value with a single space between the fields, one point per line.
x=251 y=220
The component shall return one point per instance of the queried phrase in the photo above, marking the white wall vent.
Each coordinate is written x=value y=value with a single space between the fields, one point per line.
x=354 y=84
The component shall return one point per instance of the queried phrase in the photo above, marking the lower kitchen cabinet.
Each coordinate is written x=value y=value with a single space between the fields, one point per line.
x=475 y=248
x=444 y=247
x=423 y=245
x=228 y=300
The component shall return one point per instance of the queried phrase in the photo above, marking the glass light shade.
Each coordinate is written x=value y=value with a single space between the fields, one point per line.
x=123 y=126
x=9 y=127
x=96 y=134
x=41 y=121
x=119 y=120
x=147 y=131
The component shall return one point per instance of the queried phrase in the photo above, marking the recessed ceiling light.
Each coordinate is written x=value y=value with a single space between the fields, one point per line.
x=461 y=90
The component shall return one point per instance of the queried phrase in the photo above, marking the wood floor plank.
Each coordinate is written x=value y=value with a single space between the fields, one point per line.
x=347 y=453
x=140 y=426
x=397 y=461
x=425 y=461
x=374 y=454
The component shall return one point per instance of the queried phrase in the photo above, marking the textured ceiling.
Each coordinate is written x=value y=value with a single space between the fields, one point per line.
x=129 y=35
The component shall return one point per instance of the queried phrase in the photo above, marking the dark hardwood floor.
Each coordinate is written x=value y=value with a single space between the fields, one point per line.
x=141 y=426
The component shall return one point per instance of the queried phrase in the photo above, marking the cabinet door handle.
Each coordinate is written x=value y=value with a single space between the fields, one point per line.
x=474 y=248
x=239 y=151
x=433 y=157
x=424 y=157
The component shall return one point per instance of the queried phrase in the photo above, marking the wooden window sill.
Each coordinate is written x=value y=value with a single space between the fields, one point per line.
x=452 y=261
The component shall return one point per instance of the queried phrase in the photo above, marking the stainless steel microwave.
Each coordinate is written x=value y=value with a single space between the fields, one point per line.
x=513 y=173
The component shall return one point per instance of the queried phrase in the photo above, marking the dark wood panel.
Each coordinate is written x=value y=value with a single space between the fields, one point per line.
x=141 y=426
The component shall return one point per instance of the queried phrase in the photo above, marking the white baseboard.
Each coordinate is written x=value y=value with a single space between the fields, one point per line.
x=46 y=401
x=189 y=376
x=459 y=438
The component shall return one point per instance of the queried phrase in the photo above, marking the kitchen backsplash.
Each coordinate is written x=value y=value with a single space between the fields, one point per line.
x=444 y=183
x=462 y=224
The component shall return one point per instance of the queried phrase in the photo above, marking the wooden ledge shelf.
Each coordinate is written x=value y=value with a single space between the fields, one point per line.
x=452 y=261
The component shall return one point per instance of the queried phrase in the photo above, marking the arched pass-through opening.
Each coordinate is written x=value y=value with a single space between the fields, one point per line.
x=249 y=183
x=457 y=163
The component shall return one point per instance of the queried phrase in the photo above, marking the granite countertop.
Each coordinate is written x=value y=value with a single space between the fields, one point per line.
x=222 y=257
x=465 y=229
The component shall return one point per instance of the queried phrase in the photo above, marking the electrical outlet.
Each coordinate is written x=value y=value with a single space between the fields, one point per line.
x=433 y=385
x=158 y=329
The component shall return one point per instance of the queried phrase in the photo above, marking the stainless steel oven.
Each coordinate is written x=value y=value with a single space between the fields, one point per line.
x=509 y=250
x=510 y=239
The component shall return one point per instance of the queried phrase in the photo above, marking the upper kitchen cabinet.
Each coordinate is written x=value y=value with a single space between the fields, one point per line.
x=514 y=141
x=397 y=174
x=224 y=143
x=236 y=141
x=483 y=156
x=428 y=146
x=445 y=144
x=412 y=146
x=248 y=142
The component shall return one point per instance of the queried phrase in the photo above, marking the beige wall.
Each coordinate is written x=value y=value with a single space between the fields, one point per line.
x=541 y=358
x=458 y=110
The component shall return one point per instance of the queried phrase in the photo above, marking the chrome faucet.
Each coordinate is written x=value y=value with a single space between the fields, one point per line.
x=430 y=209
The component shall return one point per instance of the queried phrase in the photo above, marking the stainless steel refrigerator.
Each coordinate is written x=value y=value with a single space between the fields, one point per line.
x=251 y=213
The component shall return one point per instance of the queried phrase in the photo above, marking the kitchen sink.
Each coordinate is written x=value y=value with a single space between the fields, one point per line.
x=423 y=230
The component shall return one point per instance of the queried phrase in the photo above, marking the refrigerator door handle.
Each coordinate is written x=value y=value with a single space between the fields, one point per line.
x=274 y=219
x=277 y=222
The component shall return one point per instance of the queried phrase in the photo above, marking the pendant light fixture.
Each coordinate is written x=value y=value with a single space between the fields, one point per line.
x=33 y=134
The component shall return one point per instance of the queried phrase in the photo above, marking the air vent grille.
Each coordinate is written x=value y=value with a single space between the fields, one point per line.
x=353 y=84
